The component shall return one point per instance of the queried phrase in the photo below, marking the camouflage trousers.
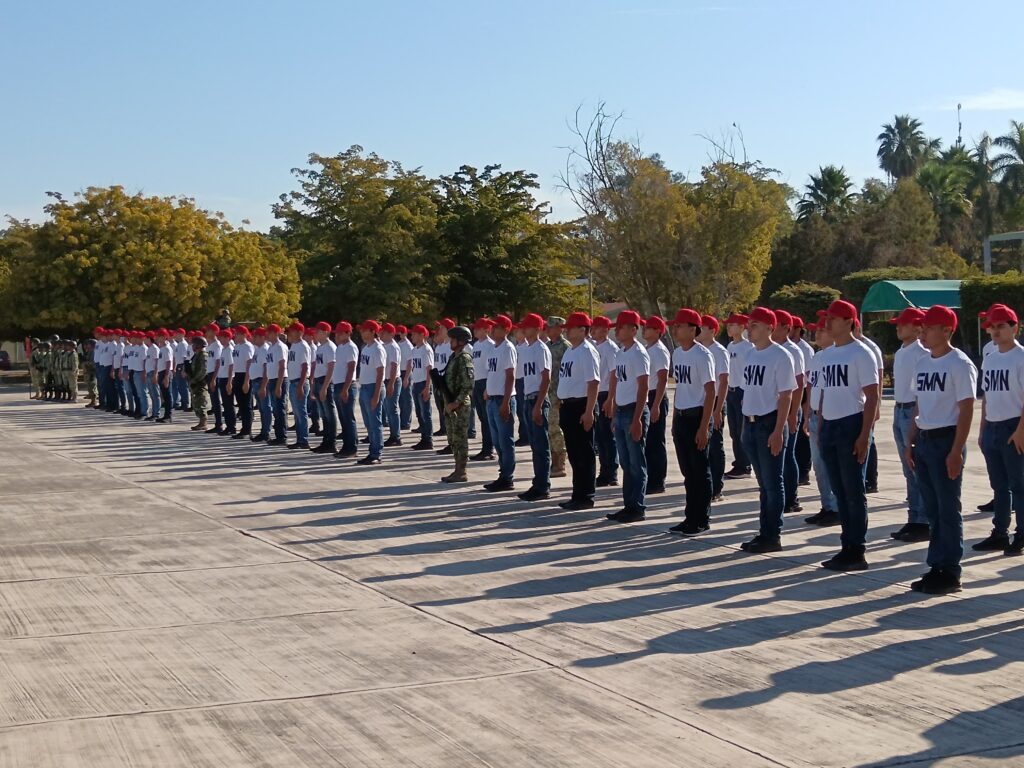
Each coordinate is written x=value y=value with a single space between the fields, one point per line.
x=71 y=382
x=37 y=381
x=90 y=382
x=200 y=402
x=555 y=436
x=457 y=428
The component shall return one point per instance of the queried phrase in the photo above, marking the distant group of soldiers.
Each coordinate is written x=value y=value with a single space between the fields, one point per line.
x=54 y=366
x=592 y=393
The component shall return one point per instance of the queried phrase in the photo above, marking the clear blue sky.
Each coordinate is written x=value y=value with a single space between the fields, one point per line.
x=218 y=100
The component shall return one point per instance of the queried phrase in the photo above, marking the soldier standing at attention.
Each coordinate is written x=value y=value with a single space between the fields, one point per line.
x=577 y=391
x=604 y=432
x=33 y=369
x=89 y=370
x=394 y=380
x=214 y=349
x=442 y=351
x=300 y=361
x=501 y=371
x=421 y=362
x=346 y=392
x=323 y=386
x=373 y=361
x=44 y=370
x=558 y=346
x=195 y=369
x=73 y=363
x=716 y=443
x=459 y=382
x=405 y=404
x=656 y=448
x=535 y=360
x=481 y=349
x=275 y=383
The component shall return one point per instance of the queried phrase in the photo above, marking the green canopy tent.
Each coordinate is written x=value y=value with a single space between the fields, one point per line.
x=897 y=295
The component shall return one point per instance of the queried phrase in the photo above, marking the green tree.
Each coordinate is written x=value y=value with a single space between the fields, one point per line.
x=981 y=187
x=946 y=181
x=803 y=299
x=903 y=147
x=1009 y=165
x=827 y=195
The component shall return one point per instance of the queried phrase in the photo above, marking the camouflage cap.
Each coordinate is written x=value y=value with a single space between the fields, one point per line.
x=555 y=321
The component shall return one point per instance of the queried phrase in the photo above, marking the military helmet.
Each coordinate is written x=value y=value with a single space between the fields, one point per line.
x=34 y=342
x=460 y=333
x=199 y=341
x=89 y=341
x=44 y=345
x=54 y=338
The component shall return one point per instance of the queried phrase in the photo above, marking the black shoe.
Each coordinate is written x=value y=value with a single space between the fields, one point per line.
x=522 y=441
x=825 y=518
x=349 y=453
x=317 y=431
x=937 y=582
x=228 y=432
x=689 y=528
x=916 y=532
x=805 y=480
x=241 y=435
x=988 y=506
x=471 y=435
x=367 y=461
x=870 y=489
x=295 y=446
x=364 y=441
x=534 y=495
x=164 y=420
x=500 y=485
x=653 y=490
x=606 y=482
x=482 y=457
x=718 y=497
x=278 y=441
x=446 y=451
x=290 y=428
x=138 y=417
x=574 y=505
x=897 y=534
x=1016 y=546
x=794 y=507
x=260 y=439
x=617 y=515
x=439 y=433
x=215 y=431
x=323 y=448
x=846 y=560
x=628 y=516
x=392 y=442
x=760 y=544
x=995 y=542
x=737 y=473
x=423 y=446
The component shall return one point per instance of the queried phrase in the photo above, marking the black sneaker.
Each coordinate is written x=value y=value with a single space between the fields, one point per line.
x=522 y=441
x=717 y=497
x=534 y=495
x=439 y=433
x=364 y=441
x=423 y=446
x=164 y=420
x=482 y=457
x=500 y=485
x=367 y=461
x=794 y=507
x=215 y=431
x=228 y=432
x=655 y=489
x=737 y=473
x=996 y=542
x=606 y=482
x=260 y=438
x=617 y=515
x=574 y=505
x=937 y=582
x=846 y=560
x=988 y=506
x=349 y=453
x=1016 y=546
x=898 y=534
x=295 y=446
x=628 y=516
x=760 y=544
x=689 y=528
x=471 y=435
x=824 y=518
x=392 y=442
x=278 y=441
x=323 y=448
x=870 y=489
x=916 y=532
x=805 y=480
x=241 y=435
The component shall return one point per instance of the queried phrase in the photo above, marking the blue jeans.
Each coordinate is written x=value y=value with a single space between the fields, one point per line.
x=424 y=412
x=656 y=447
x=790 y=466
x=298 y=391
x=406 y=409
x=828 y=498
x=243 y=402
x=716 y=459
x=1005 y=473
x=941 y=499
x=347 y=417
x=540 y=446
x=101 y=385
x=262 y=405
x=122 y=389
x=501 y=435
x=734 y=415
x=218 y=412
x=838 y=437
x=480 y=408
x=391 y=411
x=227 y=403
x=902 y=418
x=277 y=407
x=768 y=469
x=328 y=416
x=604 y=432
x=521 y=433
x=141 y=392
x=632 y=456
x=373 y=419
x=154 y=396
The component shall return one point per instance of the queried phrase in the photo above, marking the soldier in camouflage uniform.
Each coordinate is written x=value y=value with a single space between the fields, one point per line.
x=44 y=370
x=89 y=368
x=195 y=370
x=34 y=361
x=458 y=391
x=60 y=370
x=558 y=345
x=74 y=363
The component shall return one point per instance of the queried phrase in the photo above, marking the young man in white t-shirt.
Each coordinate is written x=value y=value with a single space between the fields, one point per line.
x=769 y=381
x=275 y=384
x=442 y=352
x=739 y=345
x=346 y=389
x=1002 y=431
x=986 y=350
x=871 y=465
x=405 y=404
x=791 y=469
x=501 y=371
x=693 y=368
x=604 y=431
x=257 y=390
x=803 y=443
x=627 y=406
x=312 y=409
x=298 y=367
x=165 y=374
x=323 y=386
x=421 y=363
x=481 y=348
x=709 y=327
x=394 y=381
x=214 y=348
x=848 y=379
x=656 y=447
x=578 y=378
x=535 y=359
x=180 y=389
x=904 y=365
x=945 y=382
x=373 y=362
x=828 y=515
x=152 y=374
x=243 y=357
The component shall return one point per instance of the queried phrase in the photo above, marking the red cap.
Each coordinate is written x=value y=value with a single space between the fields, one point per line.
x=628 y=317
x=782 y=317
x=388 y=327
x=273 y=328
x=763 y=315
x=421 y=329
x=909 y=316
x=370 y=325
x=297 y=326
x=150 y=334
x=737 y=318
x=687 y=317
x=261 y=331
x=162 y=332
x=532 y=320
x=812 y=326
x=343 y=326
x=324 y=326
x=445 y=322
x=656 y=323
x=1002 y=314
x=578 y=320
x=227 y=333
x=842 y=310
x=798 y=322
x=940 y=315
x=503 y=321
x=181 y=331
x=213 y=327
x=710 y=321
x=601 y=322
x=99 y=330
x=485 y=323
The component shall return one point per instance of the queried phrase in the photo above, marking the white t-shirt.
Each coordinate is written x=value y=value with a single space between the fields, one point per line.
x=800 y=362
x=276 y=352
x=843 y=373
x=227 y=355
x=1002 y=384
x=344 y=354
x=421 y=359
x=406 y=347
x=940 y=383
x=988 y=349
x=500 y=359
x=814 y=381
x=904 y=363
x=737 y=355
x=721 y=358
x=442 y=353
x=535 y=359
x=606 y=351
x=106 y=353
x=660 y=359
x=97 y=351
x=132 y=358
x=299 y=353
x=630 y=364
x=580 y=366
x=180 y=351
x=325 y=353
x=807 y=349
x=213 y=350
x=118 y=359
x=481 y=349
x=766 y=374
x=372 y=357
x=258 y=369
x=152 y=358
x=166 y=359
x=875 y=350
x=242 y=355
x=692 y=368
x=394 y=356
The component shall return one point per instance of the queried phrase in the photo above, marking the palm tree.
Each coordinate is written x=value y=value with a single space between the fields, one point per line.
x=828 y=195
x=903 y=147
x=1009 y=165
x=946 y=185
x=980 y=188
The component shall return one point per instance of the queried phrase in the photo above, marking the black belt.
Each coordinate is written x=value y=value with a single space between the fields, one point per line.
x=572 y=400
x=937 y=433
x=733 y=389
x=905 y=406
x=763 y=417
x=697 y=409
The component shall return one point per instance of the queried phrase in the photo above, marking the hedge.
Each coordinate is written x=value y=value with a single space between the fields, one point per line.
x=803 y=299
